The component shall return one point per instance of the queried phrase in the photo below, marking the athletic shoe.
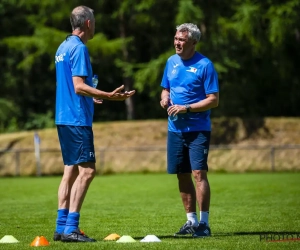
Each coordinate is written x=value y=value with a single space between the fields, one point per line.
x=57 y=236
x=202 y=231
x=187 y=228
x=76 y=236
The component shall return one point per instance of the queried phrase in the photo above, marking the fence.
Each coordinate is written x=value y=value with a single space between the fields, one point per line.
x=229 y=158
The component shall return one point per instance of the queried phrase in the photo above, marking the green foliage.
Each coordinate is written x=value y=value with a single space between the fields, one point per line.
x=188 y=13
x=43 y=42
x=8 y=113
x=254 y=46
x=284 y=19
x=39 y=121
x=149 y=76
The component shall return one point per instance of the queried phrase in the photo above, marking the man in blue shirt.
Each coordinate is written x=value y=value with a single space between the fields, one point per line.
x=75 y=98
x=190 y=90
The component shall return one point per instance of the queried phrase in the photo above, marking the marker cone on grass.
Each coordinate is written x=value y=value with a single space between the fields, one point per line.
x=126 y=239
x=151 y=238
x=112 y=237
x=9 y=239
x=39 y=241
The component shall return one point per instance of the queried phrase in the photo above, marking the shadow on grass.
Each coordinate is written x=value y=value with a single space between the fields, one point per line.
x=228 y=234
x=255 y=233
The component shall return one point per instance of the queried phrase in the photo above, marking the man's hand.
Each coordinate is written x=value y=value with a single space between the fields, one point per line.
x=164 y=103
x=117 y=95
x=176 y=109
x=97 y=101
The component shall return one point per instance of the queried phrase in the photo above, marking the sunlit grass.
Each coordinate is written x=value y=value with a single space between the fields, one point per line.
x=243 y=207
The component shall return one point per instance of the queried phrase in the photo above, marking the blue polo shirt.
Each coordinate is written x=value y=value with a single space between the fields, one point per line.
x=189 y=81
x=72 y=59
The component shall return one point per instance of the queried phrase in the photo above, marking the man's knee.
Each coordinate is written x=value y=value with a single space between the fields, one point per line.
x=184 y=177
x=200 y=175
x=88 y=171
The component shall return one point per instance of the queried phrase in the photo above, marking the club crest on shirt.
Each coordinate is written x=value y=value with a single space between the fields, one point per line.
x=192 y=69
x=174 y=68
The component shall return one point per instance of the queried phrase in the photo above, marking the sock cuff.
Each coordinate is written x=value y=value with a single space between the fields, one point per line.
x=74 y=215
x=63 y=211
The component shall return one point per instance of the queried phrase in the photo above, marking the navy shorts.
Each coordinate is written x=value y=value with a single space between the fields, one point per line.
x=76 y=143
x=187 y=151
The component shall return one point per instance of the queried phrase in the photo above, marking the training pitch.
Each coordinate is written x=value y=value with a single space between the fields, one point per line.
x=248 y=211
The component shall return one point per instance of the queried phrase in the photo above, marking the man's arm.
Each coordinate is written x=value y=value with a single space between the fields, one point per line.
x=81 y=88
x=211 y=101
x=165 y=98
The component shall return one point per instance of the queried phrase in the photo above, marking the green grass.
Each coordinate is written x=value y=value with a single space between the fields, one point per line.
x=243 y=206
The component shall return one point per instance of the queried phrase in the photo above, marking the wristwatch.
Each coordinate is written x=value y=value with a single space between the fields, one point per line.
x=187 y=106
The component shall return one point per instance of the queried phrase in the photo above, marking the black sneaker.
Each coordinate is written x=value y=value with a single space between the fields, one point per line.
x=187 y=228
x=202 y=231
x=76 y=236
x=57 y=236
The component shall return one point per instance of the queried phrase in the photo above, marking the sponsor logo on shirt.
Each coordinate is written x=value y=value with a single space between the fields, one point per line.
x=59 y=58
x=192 y=69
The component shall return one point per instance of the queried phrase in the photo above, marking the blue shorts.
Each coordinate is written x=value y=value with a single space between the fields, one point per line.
x=187 y=151
x=76 y=143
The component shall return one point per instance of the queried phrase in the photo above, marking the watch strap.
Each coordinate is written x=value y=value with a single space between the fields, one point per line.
x=187 y=106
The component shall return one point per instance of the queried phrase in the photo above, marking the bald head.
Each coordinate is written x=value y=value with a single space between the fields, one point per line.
x=79 y=15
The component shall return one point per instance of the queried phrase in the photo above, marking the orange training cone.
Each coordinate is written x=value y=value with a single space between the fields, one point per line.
x=112 y=237
x=39 y=241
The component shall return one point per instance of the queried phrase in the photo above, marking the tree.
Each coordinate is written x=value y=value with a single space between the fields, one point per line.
x=254 y=46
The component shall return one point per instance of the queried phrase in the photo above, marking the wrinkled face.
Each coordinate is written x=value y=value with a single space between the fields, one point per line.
x=184 y=47
x=90 y=28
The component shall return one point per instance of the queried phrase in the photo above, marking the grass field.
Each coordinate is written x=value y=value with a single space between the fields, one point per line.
x=243 y=207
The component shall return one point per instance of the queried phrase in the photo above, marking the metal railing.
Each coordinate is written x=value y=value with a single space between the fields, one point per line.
x=103 y=152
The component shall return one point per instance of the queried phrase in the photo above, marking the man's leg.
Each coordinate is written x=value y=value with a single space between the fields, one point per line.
x=64 y=191
x=78 y=192
x=188 y=197
x=187 y=192
x=178 y=163
x=202 y=193
x=203 y=199
x=77 y=145
x=198 y=152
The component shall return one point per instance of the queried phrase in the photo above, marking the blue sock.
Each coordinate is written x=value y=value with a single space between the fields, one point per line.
x=61 y=220
x=72 y=222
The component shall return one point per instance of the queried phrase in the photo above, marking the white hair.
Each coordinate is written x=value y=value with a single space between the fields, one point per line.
x=192 y=29
x=79 y=15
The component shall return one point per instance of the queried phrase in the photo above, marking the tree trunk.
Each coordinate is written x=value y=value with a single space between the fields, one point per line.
x=127 y=81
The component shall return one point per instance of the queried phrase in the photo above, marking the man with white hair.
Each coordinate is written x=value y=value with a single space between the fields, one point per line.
x=190 y=91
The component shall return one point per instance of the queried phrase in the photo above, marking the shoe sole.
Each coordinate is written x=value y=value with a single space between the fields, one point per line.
x=80 y=241
x=202 y=236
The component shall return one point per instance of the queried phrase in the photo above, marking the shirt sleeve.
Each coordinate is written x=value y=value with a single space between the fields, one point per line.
x=79 y=61
x=211 y=83
x=165 y=81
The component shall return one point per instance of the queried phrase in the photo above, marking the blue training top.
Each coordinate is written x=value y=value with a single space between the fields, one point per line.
x=72 y=59
x=189 y=81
